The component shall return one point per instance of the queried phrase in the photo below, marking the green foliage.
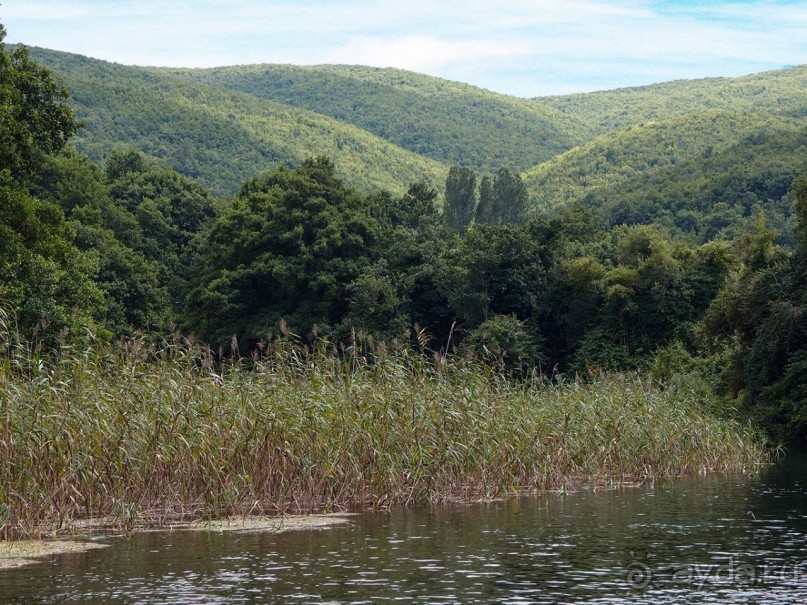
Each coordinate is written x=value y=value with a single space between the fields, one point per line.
x=779 y=92
x=508 y=341
x=704 y=176
x=400 y=289
x=44 y=280
x=800 y=211
x=699 y=157
x=495 y=270
x=219 y=137
x=416 y=210
x=486 y=206
x=460 y=202
x=758 y=324
x=502 y=201
x=614 y=298
x=643 y=149
x=169 y=210
x=138 y=218
x=133 y=296
x=131 y=225
x=284 y=250
x=449 y=122
x=35 y=119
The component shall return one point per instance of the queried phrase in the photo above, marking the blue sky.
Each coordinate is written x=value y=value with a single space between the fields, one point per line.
x=520 y=47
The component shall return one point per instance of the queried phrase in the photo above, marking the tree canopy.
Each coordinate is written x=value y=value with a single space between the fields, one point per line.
x=35 y=118
x=44 y=279
x=285 y=250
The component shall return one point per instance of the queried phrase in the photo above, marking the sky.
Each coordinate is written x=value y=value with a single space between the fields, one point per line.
x=520 y=47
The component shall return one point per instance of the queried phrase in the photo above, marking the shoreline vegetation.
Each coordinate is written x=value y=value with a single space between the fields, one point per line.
x=145 y=435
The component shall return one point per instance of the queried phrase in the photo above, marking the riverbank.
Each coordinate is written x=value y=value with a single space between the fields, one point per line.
x=143 y=435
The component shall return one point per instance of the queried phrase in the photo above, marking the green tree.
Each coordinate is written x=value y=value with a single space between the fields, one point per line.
x=508 y=341
x=134 y=298
x=503 y=200
x=460 y=199
x=416 y=210
x=510 y=197
x=44 y=279
x=399 y=290
x=286 y=248
x=799 y=190
x=487 y=205
x=757 y=328
x=35 y=119
x=495 y=270
x=169 y=210
x=650 y=294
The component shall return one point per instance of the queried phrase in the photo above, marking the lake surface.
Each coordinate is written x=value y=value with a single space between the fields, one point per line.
x=701 y=540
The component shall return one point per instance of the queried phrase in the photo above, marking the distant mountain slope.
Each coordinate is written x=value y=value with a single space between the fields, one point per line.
x=447 y=121
x=640 y=151
x=717 y=194
x=699 y=156
x=641 y=154
x=782 y=92
x=220 y=137
x=759 y=169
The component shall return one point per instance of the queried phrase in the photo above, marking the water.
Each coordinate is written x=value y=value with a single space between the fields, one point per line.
x=700 y=540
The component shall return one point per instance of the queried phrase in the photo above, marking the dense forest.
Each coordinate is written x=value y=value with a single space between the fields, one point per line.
x=218 y=136
x=247 y=205
x=447 y=121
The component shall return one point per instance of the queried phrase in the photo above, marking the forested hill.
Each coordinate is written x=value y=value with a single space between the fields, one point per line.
x=447 y=121
x=387 y=128
x=780 y=92
x=702 y=157
x=718 y=195
x=220 y=137
x=646 y=152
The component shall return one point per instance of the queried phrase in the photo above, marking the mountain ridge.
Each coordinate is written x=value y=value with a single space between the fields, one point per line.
x=386 y=128
x=776 y=91
x=221 y=138
x=409 y=110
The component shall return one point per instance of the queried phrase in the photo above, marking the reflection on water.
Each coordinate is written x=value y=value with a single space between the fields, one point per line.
x=700 y=540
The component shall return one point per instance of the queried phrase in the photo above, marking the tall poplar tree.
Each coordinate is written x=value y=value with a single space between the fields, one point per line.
x=460 y=205
x=502 y=200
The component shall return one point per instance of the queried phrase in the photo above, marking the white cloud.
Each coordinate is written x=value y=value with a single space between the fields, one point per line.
x=425 y=53
x=525 y=47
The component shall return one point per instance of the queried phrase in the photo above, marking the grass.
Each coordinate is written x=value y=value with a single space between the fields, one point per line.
x=148 y=434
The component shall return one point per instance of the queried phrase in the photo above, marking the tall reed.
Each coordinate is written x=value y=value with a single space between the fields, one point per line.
x=145 y=434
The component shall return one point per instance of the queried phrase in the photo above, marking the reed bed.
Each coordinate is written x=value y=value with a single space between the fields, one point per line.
x=150 y=434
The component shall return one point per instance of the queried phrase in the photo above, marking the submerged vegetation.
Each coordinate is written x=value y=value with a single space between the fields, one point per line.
x=140 y=433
